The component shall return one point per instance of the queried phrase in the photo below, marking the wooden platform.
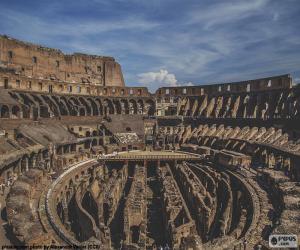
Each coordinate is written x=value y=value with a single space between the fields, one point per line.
x=150 y=155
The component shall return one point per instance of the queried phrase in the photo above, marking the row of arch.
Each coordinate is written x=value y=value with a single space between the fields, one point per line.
x=35 y=159
x=10 y=111
x=276 y=104
x=38 y=105
x=263 y=154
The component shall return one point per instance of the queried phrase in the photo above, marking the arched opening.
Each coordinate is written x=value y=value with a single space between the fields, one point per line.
x=124 y=106
x=82 y=112
x=108 y=107
x=132 y=107
x=100 y=107
x=94 y=107
x=150 y=107
x=135 y=234
x=24 y=164
x=87 y=144
x=61 y=106
x=4 y=111
x=44 y=113
x=140 y=107
x=16 y=112
x=88 y=108
x=70 y=108
x=94 y=142
x=52 y=105
x=26 y=112
x=118 y=107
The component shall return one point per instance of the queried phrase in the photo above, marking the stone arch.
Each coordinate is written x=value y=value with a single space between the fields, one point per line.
x=32 y=160
x=84 y=103
x=59 y=150
x=4 y=111
x=241 y=110
x=74 y=101
x=52 y=105
x=70 y=108
x=118 y=108
x=108 y=107
x=263 y=107
x=75 y=105
x=140 y=107
x=39 y=156
x=82 y=111
x=24 y=163
x=87 y=144
x=132 y=106
x=28 y=105
x=94 y=142
x=16 y=112
x=40 y=108
x=94 y=107
x=150 y=107
x=43 y=106
x=26 y=112
x=124 y=106
x=62 y=107
x=99 y=105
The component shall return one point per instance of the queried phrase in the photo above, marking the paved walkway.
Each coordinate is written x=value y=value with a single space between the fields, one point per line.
x=150 y=155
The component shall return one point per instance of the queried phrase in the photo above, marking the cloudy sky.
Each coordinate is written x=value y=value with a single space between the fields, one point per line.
x=168 y=42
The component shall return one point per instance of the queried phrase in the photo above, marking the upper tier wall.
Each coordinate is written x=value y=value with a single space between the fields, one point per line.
x=262 y=84
x=39 y=62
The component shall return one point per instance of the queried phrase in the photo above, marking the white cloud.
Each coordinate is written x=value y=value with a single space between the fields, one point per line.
x=224 y=12
x=162 y=78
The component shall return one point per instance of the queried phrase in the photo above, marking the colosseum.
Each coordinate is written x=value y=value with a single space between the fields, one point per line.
x=87 y=162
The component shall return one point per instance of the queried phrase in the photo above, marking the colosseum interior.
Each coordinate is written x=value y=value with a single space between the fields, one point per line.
x=87 y=161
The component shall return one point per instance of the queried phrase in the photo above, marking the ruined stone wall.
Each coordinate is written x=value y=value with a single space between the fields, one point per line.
x=37 y=62
x=135 y=211
x=269 y=83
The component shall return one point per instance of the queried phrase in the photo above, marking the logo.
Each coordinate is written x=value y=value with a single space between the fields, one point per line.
x=283 y=241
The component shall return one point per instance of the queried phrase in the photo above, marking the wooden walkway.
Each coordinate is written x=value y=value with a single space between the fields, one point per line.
x=150 y=155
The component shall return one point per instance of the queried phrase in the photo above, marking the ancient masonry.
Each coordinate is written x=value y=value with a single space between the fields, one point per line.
x=85 y=160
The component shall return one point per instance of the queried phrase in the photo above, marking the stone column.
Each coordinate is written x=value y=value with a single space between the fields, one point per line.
x=26 y=164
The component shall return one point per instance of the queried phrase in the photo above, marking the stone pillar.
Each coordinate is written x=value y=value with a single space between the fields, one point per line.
x=279 y=162
x=18 y=167
x=33 y=162
x=26 y=164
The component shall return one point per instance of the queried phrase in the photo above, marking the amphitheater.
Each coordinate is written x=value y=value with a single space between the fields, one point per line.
x=87 y=162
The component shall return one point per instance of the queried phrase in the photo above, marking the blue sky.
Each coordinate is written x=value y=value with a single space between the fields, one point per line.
x=168 y=42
